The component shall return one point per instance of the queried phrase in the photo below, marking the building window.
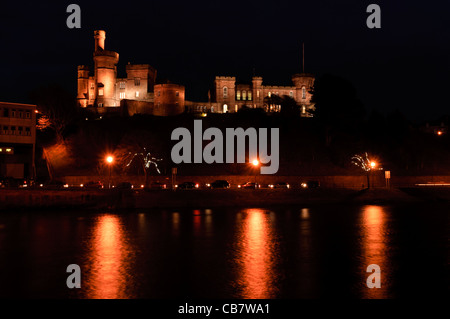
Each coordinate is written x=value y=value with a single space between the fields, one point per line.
x=137 y=81
x=225 y=108
x=269 y=94
x=100 y=104
x=257 y=94
x=122 y=95
x=6 y=112
x=13 y=130
x=303 y=93
x=13 y=113
x=92 y=86
x=20 y=130
x=303 y=109
x=7 y=150
x=177 y=93
x=137 y=93
x=249 y=95
x=244 y=95
x=5 y=130
x=27 y=114
x=122 y=85
x=27 y=131
x=159 y=93
x=225 y=92
x=238 y=95
x=100 y=92
x=291 y=94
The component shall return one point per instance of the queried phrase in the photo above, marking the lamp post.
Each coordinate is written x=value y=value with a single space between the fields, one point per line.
x=255 y=163
x=372 y=166
x=109 y=160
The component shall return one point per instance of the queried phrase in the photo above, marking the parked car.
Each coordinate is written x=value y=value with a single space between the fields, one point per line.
x=219 y=184
x=249 y=185
x=10 y=182
x=92 y=184
x=124 y=185
x=188 y=185
x=158 y=185
x=310 y=184
x=53 y=184
x=280 y=185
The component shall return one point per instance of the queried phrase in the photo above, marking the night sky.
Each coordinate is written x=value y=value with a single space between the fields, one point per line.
x=404 y=65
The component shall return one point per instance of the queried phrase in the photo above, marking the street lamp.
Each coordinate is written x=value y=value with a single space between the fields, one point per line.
x=255 y=163
x=109 y=160
x=373 y=165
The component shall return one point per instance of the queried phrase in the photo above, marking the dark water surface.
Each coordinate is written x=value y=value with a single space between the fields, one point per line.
x=228 y=253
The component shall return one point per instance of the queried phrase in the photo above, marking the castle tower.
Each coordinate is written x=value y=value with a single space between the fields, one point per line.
x=225 y=92
x=303 y=83
x=83 y=87
x=169 y=99
x=258 y=98
x=105 y=72
x=99 y=36
x=140 y=81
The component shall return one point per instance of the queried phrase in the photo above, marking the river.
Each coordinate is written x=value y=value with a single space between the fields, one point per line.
x=321 y=251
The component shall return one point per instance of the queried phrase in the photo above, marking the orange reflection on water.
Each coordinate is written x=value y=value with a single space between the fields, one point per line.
x=256 y=256
x=108 y=260
x=374 y=245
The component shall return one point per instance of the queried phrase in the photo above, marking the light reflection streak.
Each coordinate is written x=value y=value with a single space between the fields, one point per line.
x=109 y=260
x=256 y=256
x=374 y=245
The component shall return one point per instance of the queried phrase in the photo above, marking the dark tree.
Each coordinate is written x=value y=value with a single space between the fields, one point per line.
x=57 y=107
x=337 y=106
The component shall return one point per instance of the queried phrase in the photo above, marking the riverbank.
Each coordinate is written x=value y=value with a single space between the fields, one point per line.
x=138 y=199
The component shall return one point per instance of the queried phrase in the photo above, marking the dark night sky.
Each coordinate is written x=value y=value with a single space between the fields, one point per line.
x=405 y=64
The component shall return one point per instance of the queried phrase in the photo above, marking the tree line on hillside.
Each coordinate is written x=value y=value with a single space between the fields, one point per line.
x=340 y=128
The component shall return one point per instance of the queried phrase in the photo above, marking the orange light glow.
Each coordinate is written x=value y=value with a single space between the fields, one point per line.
x=373 y=164
x=109 y=260
x=374 y=248
x=109 y=159
x=256 y=256
x=439 y=133
x=255 y=162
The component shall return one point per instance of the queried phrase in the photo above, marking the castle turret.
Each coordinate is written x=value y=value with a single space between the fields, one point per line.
x=99 y=36
x=258 y=97
x=105 y=72
x=83 y=87
x=225 y=92
x=304 y=83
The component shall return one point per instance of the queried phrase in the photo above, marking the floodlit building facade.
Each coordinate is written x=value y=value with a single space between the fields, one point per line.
x=17 y=140
x=138 y=92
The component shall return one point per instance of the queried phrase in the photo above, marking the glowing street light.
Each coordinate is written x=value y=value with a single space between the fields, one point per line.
x=372 y=165
x=109 y=160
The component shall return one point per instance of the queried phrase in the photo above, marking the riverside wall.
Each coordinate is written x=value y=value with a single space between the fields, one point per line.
x=351 y=181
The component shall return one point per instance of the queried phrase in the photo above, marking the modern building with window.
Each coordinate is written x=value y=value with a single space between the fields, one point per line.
x=17 y=140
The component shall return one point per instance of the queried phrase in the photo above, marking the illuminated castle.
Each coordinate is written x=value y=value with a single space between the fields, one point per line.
x=230 y=97
x=137 y=93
